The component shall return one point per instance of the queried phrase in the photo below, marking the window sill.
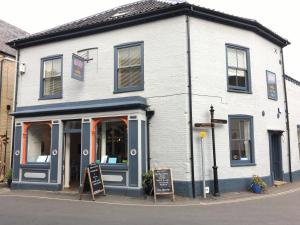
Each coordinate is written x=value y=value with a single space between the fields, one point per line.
x=36 y=165
x=117 y=91
x=50 y=97
x=118 y=166
x=240 y=164
x=239 y=91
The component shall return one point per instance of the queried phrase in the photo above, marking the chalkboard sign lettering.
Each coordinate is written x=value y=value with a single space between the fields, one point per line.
x=92 y=181
x=163 y=182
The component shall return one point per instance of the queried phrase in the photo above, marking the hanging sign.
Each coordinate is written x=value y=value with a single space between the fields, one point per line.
x=163 y=183
x=92 y=181
x=77 y=67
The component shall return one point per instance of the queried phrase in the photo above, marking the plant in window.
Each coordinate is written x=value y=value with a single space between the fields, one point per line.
x=148 y=182
x=258 y=185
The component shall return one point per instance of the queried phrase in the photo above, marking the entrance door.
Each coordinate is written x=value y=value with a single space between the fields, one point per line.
x=72 y=154
x=276 y=155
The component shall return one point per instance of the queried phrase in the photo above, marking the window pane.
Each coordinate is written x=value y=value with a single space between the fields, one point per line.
x=246 y=129
x=56 y=67
x=48 y=68
x=232 y=77
x=112 y=142
x=245 y=150
x=231 y=57
x=52 y=86
x=242 y=62
x=135 y=55
x=39 y=143
x=124 y=58
x=129 y=77
x=235 y=150
x=235 y=129
x=241 y=78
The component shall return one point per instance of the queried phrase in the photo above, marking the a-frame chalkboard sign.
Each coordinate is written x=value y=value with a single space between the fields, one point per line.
x=163 y=183
x=92 y=181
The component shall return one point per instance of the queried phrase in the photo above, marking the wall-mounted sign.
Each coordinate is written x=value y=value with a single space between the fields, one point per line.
x=77 y=67
x=272 y=85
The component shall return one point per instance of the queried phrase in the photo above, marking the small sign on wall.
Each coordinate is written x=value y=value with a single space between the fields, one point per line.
x=77 y=67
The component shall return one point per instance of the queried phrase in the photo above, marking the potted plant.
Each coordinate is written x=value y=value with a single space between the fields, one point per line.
x=8 y=177
x=148 y=182
x=258 y=185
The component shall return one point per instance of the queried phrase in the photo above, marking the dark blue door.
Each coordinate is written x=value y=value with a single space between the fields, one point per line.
x=276 y=156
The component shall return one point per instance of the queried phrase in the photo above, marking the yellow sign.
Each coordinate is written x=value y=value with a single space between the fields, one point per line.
x=203 y=134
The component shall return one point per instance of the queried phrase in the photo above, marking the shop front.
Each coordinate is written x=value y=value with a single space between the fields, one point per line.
x=53 y=147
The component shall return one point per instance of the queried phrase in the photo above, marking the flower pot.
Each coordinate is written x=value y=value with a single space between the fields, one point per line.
x=9 y=181
x=256 y=188
x=148 y=188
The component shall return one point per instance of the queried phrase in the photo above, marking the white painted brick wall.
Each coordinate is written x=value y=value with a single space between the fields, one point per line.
x=293 y=92
x=165 y=74
x=209 y=78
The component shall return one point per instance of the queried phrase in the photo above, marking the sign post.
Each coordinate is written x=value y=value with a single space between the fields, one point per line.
x=202 y=136
x=163 y=183
x=92 y=181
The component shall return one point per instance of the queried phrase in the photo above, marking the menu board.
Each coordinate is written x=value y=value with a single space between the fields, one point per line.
x=163 y=182
x=92 y=181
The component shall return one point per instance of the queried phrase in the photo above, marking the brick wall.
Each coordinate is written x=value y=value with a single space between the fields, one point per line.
x=7 y=92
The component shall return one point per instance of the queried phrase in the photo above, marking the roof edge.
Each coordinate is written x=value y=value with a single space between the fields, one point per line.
x=172 y=11
x=291 y=79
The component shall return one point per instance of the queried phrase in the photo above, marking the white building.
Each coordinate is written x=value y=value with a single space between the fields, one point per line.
x=126 y=86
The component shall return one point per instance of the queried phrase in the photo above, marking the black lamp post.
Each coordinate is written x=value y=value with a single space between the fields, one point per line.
x=215 y=168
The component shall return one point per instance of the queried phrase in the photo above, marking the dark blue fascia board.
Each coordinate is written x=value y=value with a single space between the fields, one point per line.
x=112 y=104
x=172 y=11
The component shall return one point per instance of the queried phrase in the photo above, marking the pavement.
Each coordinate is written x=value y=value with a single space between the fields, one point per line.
x=278 y=206
x=149 y=201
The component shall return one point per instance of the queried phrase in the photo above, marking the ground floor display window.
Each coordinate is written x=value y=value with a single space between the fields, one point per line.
x=36 y=143
x=111 y=143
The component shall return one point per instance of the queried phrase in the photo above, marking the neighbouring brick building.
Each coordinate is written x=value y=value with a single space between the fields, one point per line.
x=126 y=86
x=7 y=79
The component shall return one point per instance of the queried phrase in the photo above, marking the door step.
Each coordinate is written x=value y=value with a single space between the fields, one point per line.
x=278 y=183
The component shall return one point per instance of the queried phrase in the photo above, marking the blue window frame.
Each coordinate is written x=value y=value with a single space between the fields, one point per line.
x=238 y=68
x=129 y=67
x=271 y=85
x=51 y=77
x=241 y=140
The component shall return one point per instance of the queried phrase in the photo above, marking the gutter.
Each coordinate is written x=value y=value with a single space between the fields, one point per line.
x=14 y=108
x=190 y=104
x=149 y=115
x=1 y=75
x=287 y=117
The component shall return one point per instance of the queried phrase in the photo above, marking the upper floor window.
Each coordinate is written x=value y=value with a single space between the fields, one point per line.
x=51 y=77
x=129 y=67
x=238 y=68
x=271 y=85
x=241 y=139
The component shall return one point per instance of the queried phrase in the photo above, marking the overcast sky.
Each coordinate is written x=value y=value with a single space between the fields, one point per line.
x=280 y=16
